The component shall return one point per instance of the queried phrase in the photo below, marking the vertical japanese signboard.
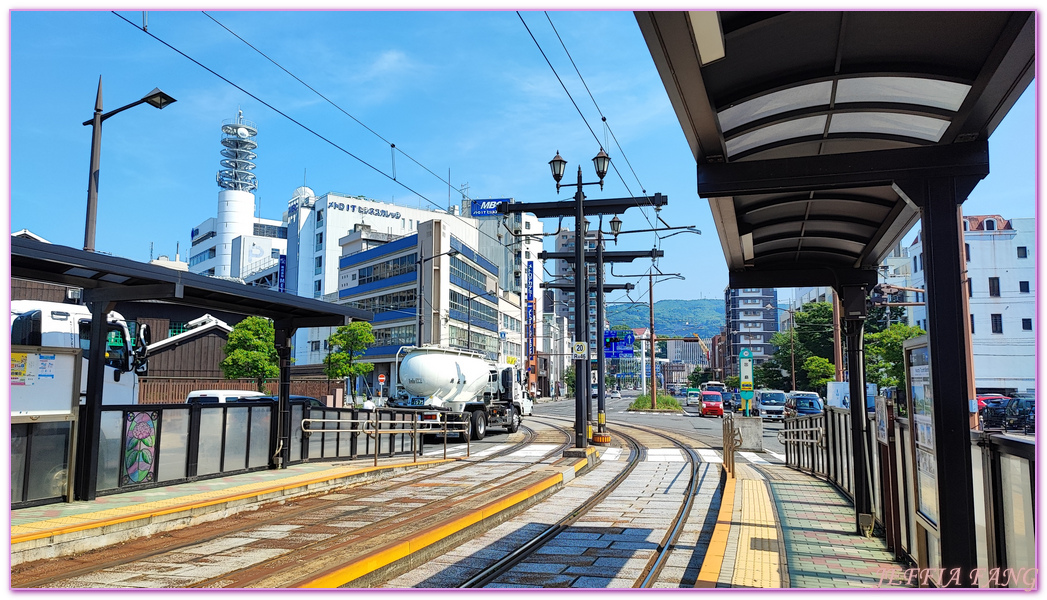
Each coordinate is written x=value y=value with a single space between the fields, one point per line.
x=921 y=411
x=281 y=276
x=745 y=379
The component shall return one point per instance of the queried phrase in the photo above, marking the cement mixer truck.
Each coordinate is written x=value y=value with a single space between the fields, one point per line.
x=465 y=385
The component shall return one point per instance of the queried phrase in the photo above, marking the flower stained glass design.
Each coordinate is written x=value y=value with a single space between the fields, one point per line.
x=139 y=450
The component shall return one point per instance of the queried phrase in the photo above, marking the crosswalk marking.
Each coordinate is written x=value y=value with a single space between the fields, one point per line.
x=611 y=454
x=708 y=455
x=534 y=450
x=776 y=455
x=753 y=458
x=665 y=455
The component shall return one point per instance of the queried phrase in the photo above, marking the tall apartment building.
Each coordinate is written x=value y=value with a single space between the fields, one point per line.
x=749 y=324
x=1001 y=267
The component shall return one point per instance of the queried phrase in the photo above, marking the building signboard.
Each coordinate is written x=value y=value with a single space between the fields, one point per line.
x=281 y=277
x=485 y=208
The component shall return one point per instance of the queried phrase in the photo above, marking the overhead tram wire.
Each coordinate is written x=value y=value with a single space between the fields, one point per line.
x=602 y=116
x=293 y=120
x=328 y=100
x=572 y=98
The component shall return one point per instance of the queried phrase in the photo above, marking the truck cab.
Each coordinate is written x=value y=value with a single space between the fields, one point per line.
x=38 y=323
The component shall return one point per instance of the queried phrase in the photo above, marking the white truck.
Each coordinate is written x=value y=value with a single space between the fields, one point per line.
x=465 y=385
x=53 y=324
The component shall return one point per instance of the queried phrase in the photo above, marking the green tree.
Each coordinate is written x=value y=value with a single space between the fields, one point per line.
x=568 y=380
x=819 y=372
x=884 y=363
x=733 y=382
x=348 y=344
x=698 y=377
x=878 y=318
x=250 y=352
x=812 y=336
x=768 y=374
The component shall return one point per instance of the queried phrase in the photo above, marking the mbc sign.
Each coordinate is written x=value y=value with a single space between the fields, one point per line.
x=485 y=208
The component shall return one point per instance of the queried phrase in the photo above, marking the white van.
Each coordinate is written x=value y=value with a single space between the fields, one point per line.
x=219 y=396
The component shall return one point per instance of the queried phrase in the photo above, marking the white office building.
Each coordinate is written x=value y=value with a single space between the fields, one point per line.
x=1001 y=267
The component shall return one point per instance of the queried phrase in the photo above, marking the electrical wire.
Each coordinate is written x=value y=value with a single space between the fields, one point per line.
x=576 y=107
x=306 y=128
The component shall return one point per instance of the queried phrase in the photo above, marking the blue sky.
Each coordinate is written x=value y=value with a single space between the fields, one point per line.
x=459 y=90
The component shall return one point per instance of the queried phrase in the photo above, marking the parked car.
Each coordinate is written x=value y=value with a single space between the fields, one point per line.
x=1010 y=413
x=770 y=404
x=985 y=400
x=712 y=404
x=312 y=402
x=220 y=396
x=614 y=395
x=800 y=404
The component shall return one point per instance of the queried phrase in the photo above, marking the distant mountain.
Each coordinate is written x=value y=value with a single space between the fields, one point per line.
x=672 y=318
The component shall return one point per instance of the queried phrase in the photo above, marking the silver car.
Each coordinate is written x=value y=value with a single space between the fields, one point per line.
x=770 y=404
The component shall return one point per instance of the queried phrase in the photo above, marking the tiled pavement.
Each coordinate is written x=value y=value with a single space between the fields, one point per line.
x=821 y=549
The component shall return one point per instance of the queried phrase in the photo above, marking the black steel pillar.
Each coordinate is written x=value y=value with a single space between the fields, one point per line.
x=86 y=478
x=949 y=365
x=283 y=428
x=601 y=356
x=854 y=332
x=581 y=364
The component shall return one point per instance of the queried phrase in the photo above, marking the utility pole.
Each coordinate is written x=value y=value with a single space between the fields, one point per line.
x=654 y=352
x=579 y=208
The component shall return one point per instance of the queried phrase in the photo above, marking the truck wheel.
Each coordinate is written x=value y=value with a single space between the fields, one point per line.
x=479 y=427
x=513 y=421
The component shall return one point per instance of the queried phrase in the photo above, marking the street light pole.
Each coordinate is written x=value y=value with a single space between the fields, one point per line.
x=155 y=98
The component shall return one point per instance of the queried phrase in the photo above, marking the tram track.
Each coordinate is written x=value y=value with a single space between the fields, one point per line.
x=637 y=455
x=277 y=514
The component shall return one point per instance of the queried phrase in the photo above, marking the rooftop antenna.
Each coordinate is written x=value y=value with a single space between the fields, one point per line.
x=178 y=248
x=150 y=251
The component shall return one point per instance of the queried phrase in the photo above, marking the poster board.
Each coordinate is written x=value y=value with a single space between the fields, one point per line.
x=921 y=422
x=45 y=383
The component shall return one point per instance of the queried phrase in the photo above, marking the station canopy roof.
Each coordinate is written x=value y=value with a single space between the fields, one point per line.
x=124 y=279
x=803 y=123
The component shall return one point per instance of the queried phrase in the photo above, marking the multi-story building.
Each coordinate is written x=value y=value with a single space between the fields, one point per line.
x=236 y=243
x=554 y=349
x=750 y=323
x=1001 y=268
x=565 y=273
x=461 y=303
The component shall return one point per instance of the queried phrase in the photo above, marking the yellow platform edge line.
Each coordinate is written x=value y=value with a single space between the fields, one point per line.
x=386 y=556
x=87 y=522
x=713 y=563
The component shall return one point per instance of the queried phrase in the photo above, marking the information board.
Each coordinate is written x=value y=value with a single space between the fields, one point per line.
x=45 y=383
x=921 y=411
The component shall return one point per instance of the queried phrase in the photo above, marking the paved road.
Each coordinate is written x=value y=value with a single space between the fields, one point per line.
x=705 y=429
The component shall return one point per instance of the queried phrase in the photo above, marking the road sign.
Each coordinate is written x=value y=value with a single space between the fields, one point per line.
x=747 y=386
x=581 y=349
x=381 y=379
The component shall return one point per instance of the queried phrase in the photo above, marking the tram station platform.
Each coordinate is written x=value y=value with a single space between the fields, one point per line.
x=774 y=527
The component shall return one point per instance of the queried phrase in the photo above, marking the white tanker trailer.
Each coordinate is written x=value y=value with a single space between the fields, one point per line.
x=464 y=384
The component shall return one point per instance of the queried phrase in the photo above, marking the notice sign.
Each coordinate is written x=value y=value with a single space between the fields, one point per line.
x=27 y=369
x=581 y=349
x=921 y=397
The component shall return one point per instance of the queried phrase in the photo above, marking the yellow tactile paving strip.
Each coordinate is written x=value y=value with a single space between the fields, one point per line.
x=70 y=524
x=757 y=563
x=718 y=544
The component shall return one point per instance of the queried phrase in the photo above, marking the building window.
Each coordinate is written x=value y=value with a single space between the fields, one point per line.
x=199 y=258
x=275 y=253
x=319 y=218
x=994 y=286
x=467 y=274
x=1026 y=324
x=916 y=263
x=527 y=224
x=751 y=290
x=316 y=286
x=314 y=346
x=176 y=327
x=270 y=231
x=967 y=251
x=1023 y=252
x=997 y=323
x=1023 y=287
x=972 y=324
x=390 y=268
x=990 y=225
x=970 y=288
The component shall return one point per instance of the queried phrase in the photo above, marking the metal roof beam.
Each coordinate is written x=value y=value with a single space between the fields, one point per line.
x=835 y=171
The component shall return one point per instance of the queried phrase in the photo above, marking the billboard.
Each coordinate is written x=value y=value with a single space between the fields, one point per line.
x=485 y=208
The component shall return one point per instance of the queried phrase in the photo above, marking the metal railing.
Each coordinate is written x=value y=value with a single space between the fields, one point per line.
x=1003 y=472
x=375 y=427
x=732 y=440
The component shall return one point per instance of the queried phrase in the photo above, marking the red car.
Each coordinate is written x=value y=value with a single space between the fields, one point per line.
x=712 y=404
